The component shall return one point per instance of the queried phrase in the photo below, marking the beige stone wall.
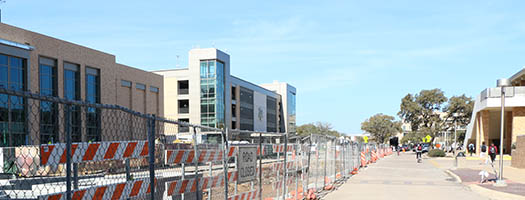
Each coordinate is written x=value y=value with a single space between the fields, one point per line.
x=518 y=122
x=518 y=155
x=111 y=73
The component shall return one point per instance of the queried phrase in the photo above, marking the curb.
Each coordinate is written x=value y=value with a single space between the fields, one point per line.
x=493 y=194
x=458 y=179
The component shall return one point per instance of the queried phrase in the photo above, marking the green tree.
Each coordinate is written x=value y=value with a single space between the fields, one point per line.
x=321 y=128
x=459 y=110
x=422 y=111
x=381 y=127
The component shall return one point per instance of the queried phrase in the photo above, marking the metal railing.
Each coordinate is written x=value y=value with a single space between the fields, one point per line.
x=97 y=151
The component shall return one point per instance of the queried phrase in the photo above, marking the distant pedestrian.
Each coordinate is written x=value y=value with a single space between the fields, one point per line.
x=483 y=154
x=471 y=148
x=493 y=151
x=419 y=151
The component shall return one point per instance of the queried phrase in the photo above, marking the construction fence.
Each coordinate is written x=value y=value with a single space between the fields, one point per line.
x=62 y=149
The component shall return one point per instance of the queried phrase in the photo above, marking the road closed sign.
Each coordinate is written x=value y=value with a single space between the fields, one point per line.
x=247 y=164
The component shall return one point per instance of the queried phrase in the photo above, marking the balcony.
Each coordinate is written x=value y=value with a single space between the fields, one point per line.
x=183 y=87
x=183 y=91
x=184 y=129
x=491 y=98
x=184 y=106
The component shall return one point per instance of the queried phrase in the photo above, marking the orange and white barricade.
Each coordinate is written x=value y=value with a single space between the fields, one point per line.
x=363 y=159
x=245 y=196
x=191 y=185
x=127 y=190
x=54 y=154
x=280 y=148
x=207 y=155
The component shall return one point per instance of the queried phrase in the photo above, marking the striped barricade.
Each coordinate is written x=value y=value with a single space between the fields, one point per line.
x=187 y=156
x=245 y=196
x=54 y=154
x=280 y=148
x=363 y=159
x=129 y=189
x=280 y=166
x=279 y=184
x=190 y=185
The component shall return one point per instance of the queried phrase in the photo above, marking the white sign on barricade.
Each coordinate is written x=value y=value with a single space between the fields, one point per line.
x=247 y=164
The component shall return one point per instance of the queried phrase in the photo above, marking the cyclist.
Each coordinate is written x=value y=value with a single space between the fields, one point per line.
x=419 y=150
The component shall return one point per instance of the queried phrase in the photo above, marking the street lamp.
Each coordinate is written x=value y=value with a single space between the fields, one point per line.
x=1 y=1
x=456 y=115
x=502 y=83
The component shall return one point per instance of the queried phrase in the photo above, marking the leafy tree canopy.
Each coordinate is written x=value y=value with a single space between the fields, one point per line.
x=381 y=127
x=321 y=128
x=429 y=113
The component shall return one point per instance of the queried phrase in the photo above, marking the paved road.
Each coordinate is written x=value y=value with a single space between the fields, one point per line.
x=400 y=177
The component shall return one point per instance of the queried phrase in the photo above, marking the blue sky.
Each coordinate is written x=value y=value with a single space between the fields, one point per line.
x=348 y=59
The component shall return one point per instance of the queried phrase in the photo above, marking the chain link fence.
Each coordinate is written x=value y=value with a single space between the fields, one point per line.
x=62 y=149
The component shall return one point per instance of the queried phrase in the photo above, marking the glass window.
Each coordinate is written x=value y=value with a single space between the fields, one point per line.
x=12 y=108
x=125 y=83
x=140 y=86
x=93 y=132
x=72 y=92
x=212 y=93
x=204 y=69
x=154 y=89
x=48 y=110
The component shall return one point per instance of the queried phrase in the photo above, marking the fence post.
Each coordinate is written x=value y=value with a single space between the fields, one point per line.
x=225 y=160
x=183 y=166
x=334 y=143
x=285 y=167
x=75 y=176
x=151 y=151
x=296 y=174
x=196 y=161
x=308 y=162
x=128 y=168
x=260 y=165
x=278 y=190
x=68 y=152
x=317 y=149
x=325 y=160
x=211 y=175
x=343 y=159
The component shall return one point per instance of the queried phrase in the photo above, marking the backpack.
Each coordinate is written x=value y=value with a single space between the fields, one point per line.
x=419 y=148
x=483 y=148
x=492 y=149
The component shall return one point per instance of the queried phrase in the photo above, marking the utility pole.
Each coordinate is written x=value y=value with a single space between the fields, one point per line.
x=1 y=2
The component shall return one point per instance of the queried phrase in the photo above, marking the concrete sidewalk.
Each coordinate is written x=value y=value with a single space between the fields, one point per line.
x=401 y=177
x=468 y=172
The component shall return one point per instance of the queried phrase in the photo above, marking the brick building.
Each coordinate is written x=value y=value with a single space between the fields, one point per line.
x=48 y=66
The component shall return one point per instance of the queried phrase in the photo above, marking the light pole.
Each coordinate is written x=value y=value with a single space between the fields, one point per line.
x=1 y=1
x=502 y=83
x=455 y=132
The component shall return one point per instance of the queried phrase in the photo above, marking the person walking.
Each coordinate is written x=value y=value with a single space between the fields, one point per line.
x=493 y=151
x=483 y=154
x=471 y=148
x=419 y=151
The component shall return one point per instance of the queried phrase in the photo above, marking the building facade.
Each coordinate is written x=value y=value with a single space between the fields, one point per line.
x=48 y=66
x=206 y=93
x=485 y=123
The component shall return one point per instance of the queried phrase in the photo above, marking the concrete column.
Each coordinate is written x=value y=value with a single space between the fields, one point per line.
x=485 y=119
x=478 y=133
x=508 y=131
